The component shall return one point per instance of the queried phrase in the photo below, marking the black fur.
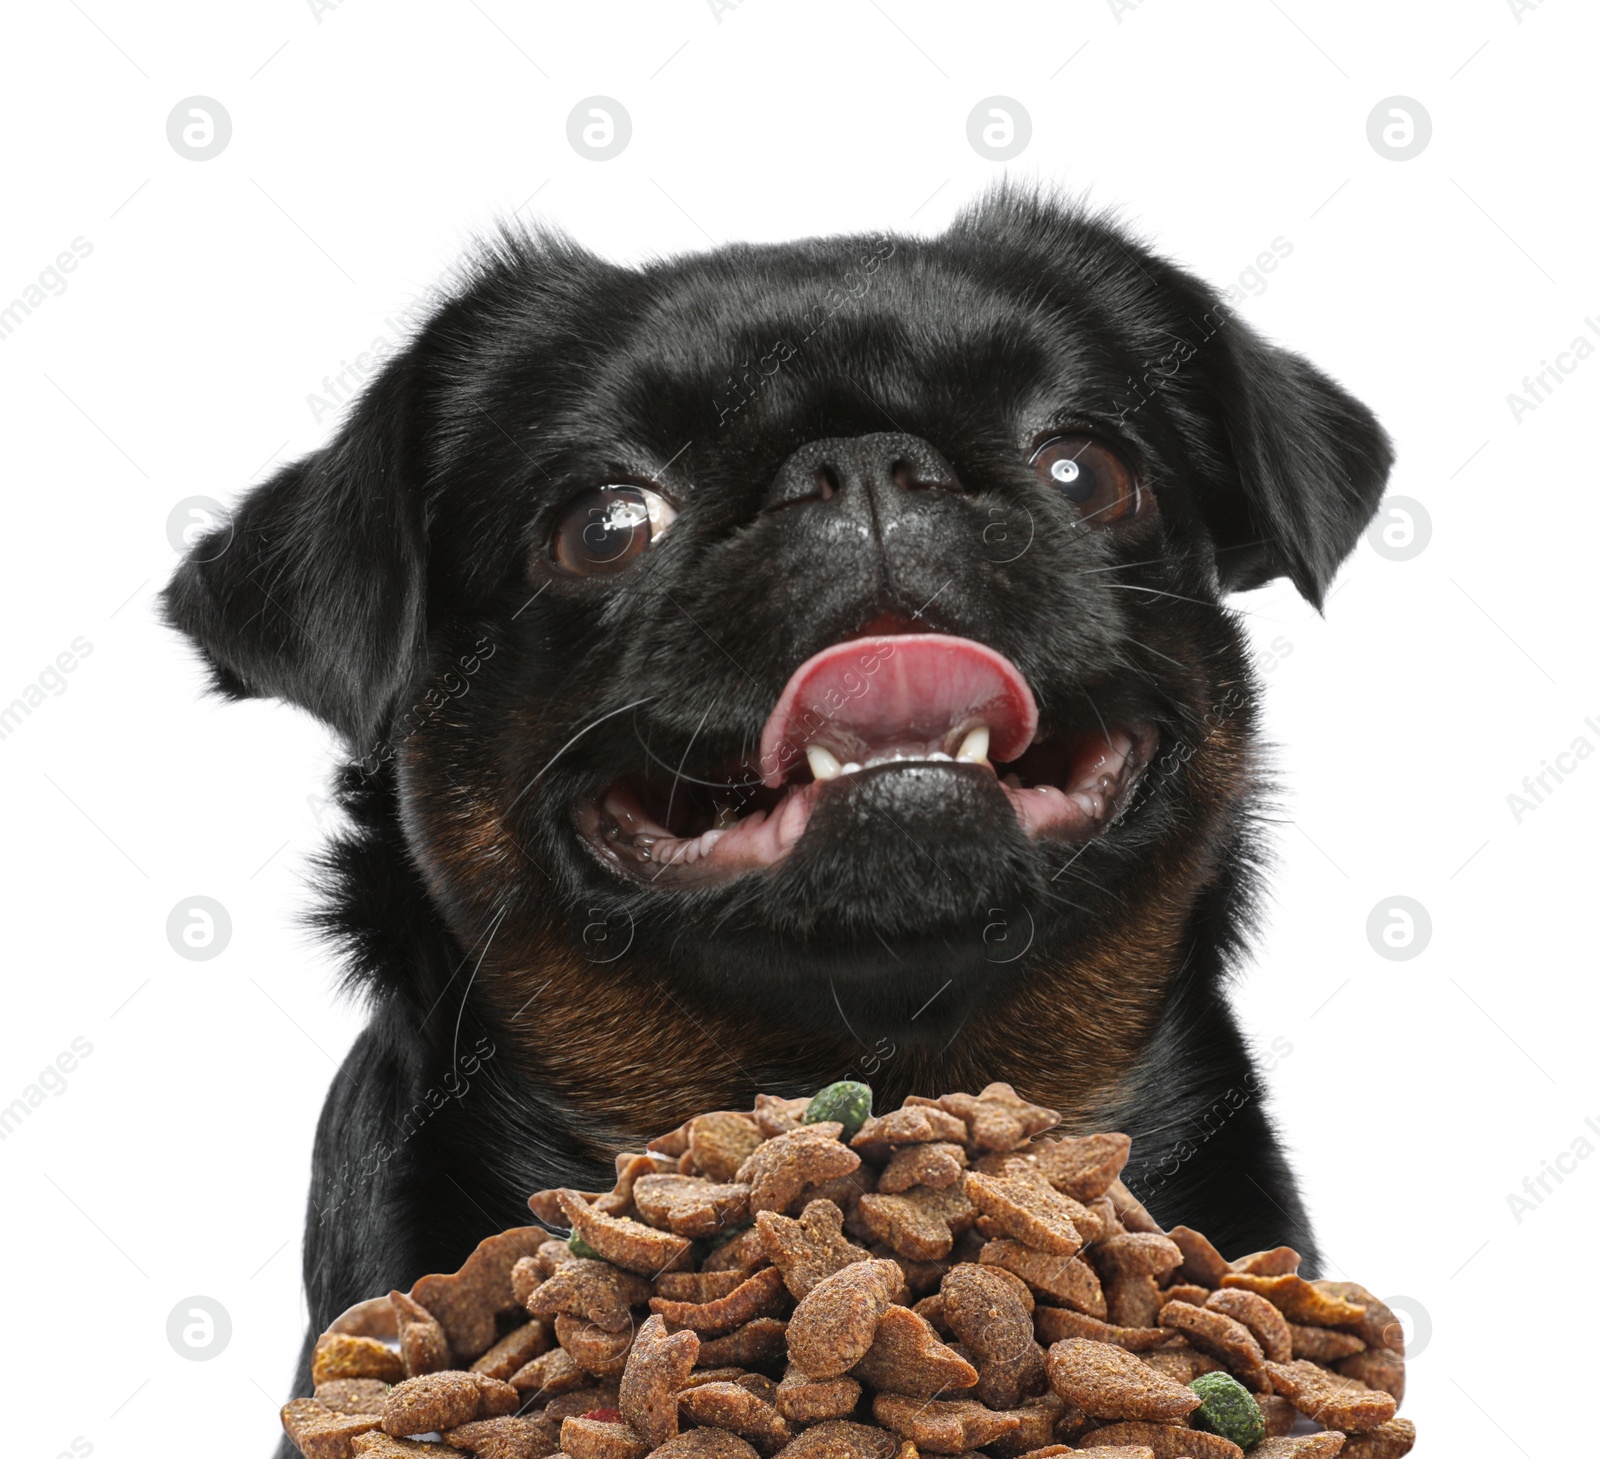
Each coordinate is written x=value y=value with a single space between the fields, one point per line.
x=361 y=583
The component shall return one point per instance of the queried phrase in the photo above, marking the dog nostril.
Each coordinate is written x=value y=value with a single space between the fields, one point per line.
x=904 y=474
x=827 y=480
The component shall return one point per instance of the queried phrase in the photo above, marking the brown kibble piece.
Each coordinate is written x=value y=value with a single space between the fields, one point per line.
x=581 y=1402
x=778 y=1170
x=320 y=1433
x=1322 y=1344
x=921 y=1224
x=1082 y=1168
x=906 y=1356
x=1133 y=1300
x=775 y=1116
x=593 y=1438
x=697 y=1286
x=997 y=1118
x=734 y=1407
x=1162 y=1440
x=804 y=1400
x=467 y=1302
x=353 y=1395
x=1032 y=1212
x=1378 y=1327
x=379 y=1445
x=657 y=1367
x=879 y=1136
x=1182 y=1364
x=1202 y=1262
x=839 y=1439
x=1280 y=1261
x=1188 y=1292
x=1224 y=1338
x=593 y=1290
x=1331 y=1399
x=526 y=1276
x=1053 y=1324
x=1267 y=1325
x=994 y=1320
x=1326 y=1445
x=549 y=1374
x=1063 y=1279
x=507 y=1438
x=686 y=1205
x=438 y=1401
x=339 y=1355
x=719 y=1143
x=372 y=1318
x=1299 y=1301
x=423 y=1345
x=593 y=1349
x=761 y=1294
x=1277 y=1412
x=1138 y=1254
x=631 y=1167
x=834 y=1324
x=1388 y=1441
x=940 y=1425
x=741 y=1253
x=759 y=1341
x=519 y=1346
x=1376 y=1367
x=1107 y=1382
x=810 y=1248
x=626 y=1243
x=936 y=1165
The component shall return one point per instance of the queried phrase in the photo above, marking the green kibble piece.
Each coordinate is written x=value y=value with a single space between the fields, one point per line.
x=579 y=1247
x=849 y=1102
x=1227 y=1408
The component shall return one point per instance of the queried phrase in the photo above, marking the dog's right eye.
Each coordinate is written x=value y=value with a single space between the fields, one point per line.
x=605 y=528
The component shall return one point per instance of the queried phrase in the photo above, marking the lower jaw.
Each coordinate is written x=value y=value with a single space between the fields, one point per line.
x=617 y=828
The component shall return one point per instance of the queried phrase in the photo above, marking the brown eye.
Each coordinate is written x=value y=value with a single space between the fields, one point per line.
x=605 y=528
x=1094 y=478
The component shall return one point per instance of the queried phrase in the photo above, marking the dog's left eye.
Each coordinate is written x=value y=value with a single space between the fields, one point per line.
x=605 y=528
x=1094 y=477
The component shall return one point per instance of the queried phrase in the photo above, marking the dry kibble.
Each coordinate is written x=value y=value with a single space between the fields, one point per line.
x=1108 y=1382
x=1052 y=1315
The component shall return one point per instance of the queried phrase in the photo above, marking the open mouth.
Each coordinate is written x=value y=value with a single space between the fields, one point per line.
x=865 y=708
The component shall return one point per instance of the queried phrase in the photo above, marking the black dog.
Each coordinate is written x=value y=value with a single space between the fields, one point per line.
x=781 y=665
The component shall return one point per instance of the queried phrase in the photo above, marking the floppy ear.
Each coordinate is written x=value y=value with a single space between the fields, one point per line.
x=1312 y=461
x=314 y=592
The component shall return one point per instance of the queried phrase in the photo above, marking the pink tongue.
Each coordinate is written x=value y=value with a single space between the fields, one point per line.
x=903 y=691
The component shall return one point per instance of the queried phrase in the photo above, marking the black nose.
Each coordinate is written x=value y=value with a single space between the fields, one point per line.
x=867 y=471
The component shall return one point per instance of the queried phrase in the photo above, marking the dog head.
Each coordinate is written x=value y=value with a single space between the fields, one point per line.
x=845 y=615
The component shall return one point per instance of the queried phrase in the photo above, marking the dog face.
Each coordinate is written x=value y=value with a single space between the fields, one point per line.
x=843 y=615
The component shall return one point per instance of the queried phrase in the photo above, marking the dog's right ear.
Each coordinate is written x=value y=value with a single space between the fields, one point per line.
x=313 y=593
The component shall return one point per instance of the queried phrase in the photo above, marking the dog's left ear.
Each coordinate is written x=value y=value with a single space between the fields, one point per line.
x=313 y=593
x=1311 y=460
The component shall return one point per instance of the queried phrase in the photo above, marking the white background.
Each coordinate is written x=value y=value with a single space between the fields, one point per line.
x=368 y=146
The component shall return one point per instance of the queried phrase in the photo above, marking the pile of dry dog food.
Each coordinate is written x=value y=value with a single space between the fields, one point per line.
x=812 y=1281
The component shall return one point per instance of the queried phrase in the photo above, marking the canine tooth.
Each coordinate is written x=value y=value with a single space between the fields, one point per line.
x=824 y=763
x=975 y=747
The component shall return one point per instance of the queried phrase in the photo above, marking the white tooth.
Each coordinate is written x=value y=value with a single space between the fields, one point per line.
x=1014 y=780
x=824 y=764
x=936 y=755
x=976 y=745
x=849 y=768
